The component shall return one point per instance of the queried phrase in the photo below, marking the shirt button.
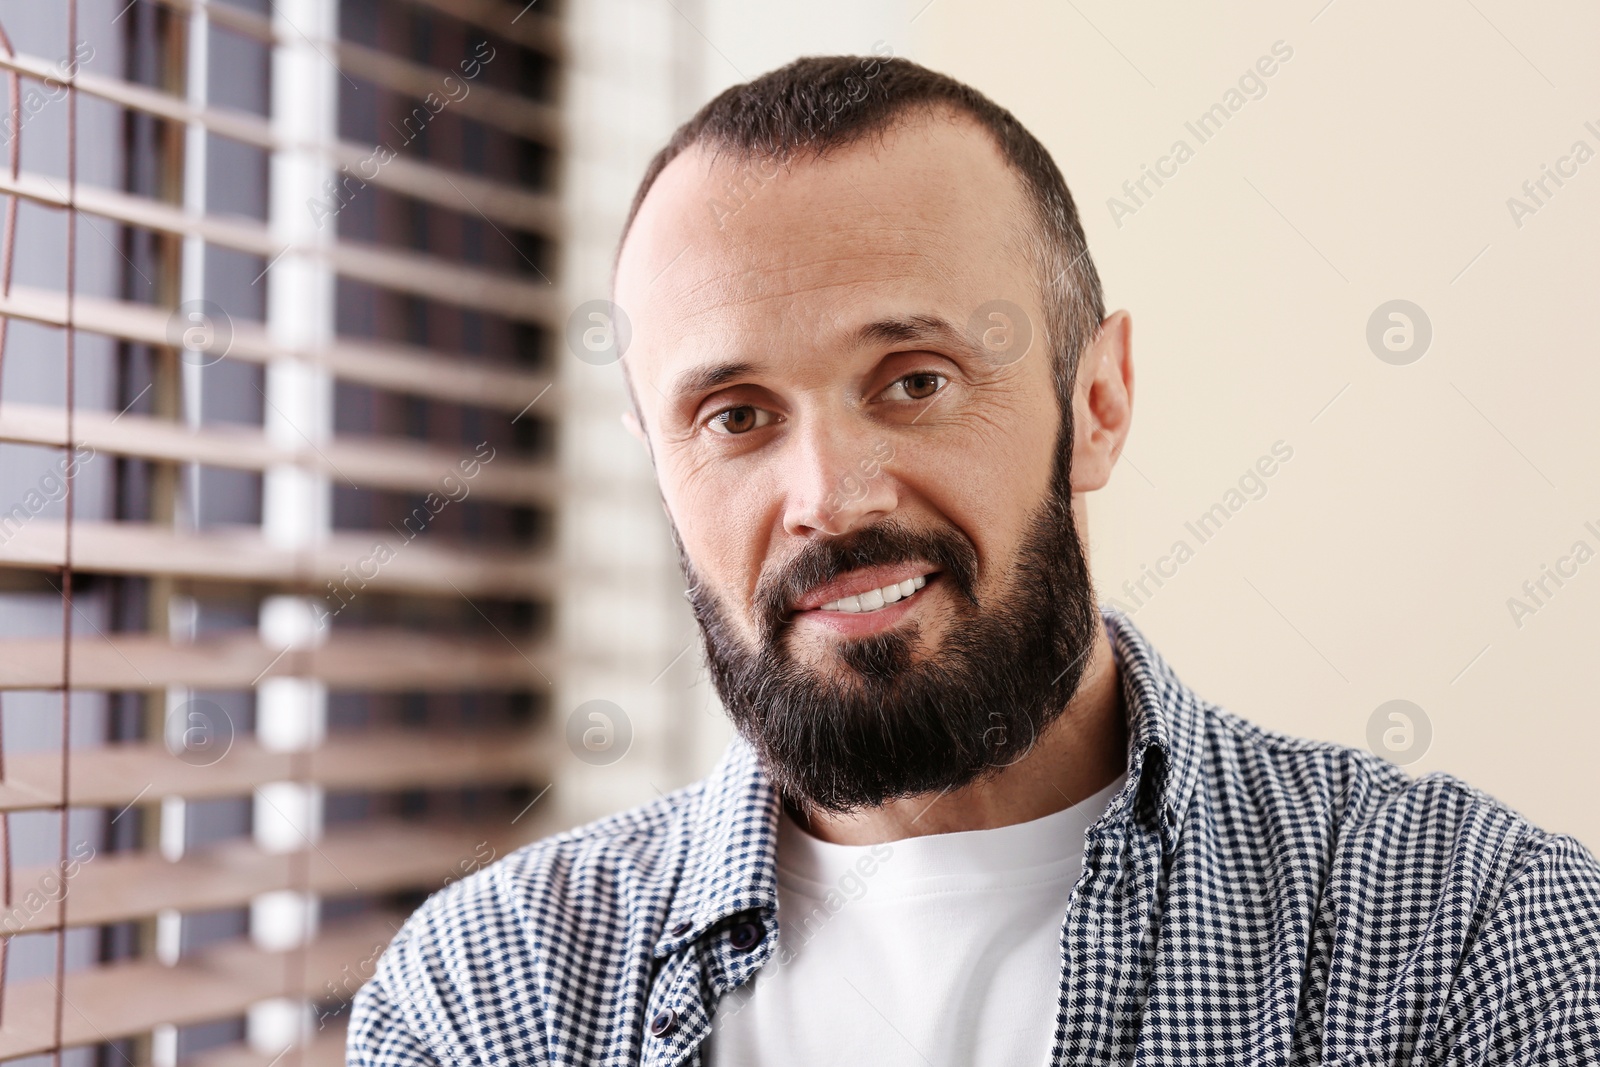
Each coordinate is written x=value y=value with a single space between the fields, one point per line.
x=664 y=1023
x=681 y=929
x=746 y=935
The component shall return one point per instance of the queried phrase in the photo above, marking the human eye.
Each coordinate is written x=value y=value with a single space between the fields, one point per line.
x=918 y=386
x=739 y=420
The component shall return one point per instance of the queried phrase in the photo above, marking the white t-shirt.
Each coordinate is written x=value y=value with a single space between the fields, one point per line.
x=934 y=950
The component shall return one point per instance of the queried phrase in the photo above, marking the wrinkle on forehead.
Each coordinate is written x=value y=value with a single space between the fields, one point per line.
x=863 y=186
x=927 y=215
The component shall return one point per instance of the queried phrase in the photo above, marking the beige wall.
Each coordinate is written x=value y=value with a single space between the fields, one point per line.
x=1376 y=166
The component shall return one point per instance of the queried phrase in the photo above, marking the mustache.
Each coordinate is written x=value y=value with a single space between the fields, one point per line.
x=883 y=543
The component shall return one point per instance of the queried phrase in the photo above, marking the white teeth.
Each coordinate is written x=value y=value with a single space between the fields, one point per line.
x=874 y=599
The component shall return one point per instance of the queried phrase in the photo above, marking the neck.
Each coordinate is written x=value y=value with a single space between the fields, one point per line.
x=1077 y=755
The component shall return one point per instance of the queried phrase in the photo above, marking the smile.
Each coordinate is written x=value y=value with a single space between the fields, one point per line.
x=867 y=600
x=876 y=599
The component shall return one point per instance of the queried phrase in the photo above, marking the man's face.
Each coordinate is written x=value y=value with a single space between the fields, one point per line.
x=871 y=505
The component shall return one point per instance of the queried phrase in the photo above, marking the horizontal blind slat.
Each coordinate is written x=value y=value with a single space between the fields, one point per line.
x=444 y=376
x=383 y=856
x=457 y=190
x=401 y=368
x=392 y=268
x=123 y=999
x=326 y=1049
x=370 y=462
x=514 y=114
x=525 y=209
x=117 y=775
x=238 y=125
x=379 y=661
x=226 y=15
x=519 y=23
x=344 y=559
x=438 y=279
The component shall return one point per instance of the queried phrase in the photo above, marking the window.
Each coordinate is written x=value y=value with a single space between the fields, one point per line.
x=278 y=497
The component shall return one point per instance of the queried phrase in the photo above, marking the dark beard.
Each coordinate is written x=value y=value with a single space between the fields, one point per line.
x=885 y=726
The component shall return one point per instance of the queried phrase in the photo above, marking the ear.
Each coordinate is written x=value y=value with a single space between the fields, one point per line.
x=1102 y=403
x=631 y=421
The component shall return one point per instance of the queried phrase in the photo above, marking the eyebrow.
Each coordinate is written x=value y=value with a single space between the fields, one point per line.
x=910 y=328
x=704 y=379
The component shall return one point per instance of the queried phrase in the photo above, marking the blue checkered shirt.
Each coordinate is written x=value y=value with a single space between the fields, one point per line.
x=1247 y=898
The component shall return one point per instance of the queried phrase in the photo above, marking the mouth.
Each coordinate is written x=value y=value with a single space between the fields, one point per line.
x=868 y=591
x=877 y=599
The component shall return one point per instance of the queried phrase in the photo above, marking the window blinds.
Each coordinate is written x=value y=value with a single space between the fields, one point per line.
x=276 y=497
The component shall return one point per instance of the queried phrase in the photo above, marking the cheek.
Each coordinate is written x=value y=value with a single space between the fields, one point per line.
x=720 y=512
x=941 y=483
x=987 y=484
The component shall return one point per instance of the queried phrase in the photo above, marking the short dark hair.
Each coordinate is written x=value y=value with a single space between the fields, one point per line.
x=824 y=102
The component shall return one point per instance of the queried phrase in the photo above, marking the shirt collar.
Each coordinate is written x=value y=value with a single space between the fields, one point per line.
x=1165 y=729
x=731 y=866
x=732 y=821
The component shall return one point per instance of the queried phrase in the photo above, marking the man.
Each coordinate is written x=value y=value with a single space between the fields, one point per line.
x=970 y=818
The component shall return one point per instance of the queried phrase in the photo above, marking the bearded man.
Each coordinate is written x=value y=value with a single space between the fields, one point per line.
x=970 y=816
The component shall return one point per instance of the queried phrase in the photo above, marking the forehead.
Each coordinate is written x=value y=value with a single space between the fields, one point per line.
x=727 y=252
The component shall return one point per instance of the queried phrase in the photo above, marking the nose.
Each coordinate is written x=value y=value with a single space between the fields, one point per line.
x=837 y=481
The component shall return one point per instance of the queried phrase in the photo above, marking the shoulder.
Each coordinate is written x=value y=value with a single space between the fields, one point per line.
x=533 y=941
x=1429 y=890
x=1294 y=777
x=588 y=878
x=1445 y=851
x=1385 y=827
x=1376 y=807
x=594 y=869
x=1443 y=894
